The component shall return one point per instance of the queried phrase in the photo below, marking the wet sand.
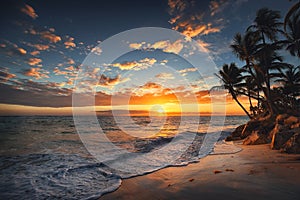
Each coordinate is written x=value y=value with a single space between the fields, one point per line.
x=256 y=172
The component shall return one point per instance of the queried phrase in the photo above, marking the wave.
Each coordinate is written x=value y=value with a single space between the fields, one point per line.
x=51 y=163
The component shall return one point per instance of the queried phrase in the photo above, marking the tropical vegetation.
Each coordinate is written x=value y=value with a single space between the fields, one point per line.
x=271 y=85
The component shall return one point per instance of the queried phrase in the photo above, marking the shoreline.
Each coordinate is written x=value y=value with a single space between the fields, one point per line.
x=255 y=172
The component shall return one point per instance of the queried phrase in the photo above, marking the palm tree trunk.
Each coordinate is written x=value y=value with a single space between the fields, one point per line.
x=267 y=91
x=258 y=102
x=250 y=102
x=238 y=102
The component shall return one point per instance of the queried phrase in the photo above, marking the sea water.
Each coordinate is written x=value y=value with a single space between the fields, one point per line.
x=43 y=157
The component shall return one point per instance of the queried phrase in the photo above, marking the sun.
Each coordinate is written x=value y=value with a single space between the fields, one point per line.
x=158 y=110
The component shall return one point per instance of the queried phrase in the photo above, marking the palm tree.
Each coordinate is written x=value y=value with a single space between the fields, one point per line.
x=231 y=77
x=291 y=81
x=267 y=23
x=245 y=47
x=250 y=86
x=291 y=11
x=292 y=34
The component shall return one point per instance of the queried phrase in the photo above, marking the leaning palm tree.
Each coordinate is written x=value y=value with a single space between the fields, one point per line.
x=231 y=77
x=245 y=47
x=250 y=85
x=292 y=34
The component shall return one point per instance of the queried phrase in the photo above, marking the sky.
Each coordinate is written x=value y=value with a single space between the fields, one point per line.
x=50 y=50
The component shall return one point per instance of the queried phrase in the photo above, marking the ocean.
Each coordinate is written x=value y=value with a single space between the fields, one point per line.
x=43 y=157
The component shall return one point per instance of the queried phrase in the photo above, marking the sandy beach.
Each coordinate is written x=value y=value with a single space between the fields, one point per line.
x=256 y=172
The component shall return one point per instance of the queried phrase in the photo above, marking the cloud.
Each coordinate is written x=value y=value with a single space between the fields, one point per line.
x=96 y=50
x=169 y=47
x=148 y=88
x=190 y=18
x=37 y=73
x=164 y=45
x=70 y=43
x=193 y=30
x=51 y=37
x=214 y=7
x=179 y=5
x=71 y=71
x=28 y=10
x=174 y=19
x=13 y=49
x=205 y=46
x=165 y=76
x=70 y=81
x=34 y=61
x=70 y=68
x=107 y=81
x=49 y=94
x=22 y=51
x=136 y=45
x=71 y=61
x=34 y=53
x=135 y=65
x=41 y=47
x=57 y=71
x=151 y=85
x=186 y=70
x=5 y=75
x=219 y=6
x=35 y=94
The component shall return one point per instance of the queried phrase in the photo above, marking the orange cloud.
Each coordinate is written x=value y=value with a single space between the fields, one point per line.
x=135 y=65
x=148 y=88
x=21 y=51
x=96 y=50
x=41 y=47
x=57 y=71
x=188 y=20
x=70 y=43
x=71 y=71
x=164 y=45
x=5 y=75
x=50 y=36
x=164 y=76
x=195 y=30
x=106 y=81
x=218 y=6
x=34 y=53
x=37 y=73
x=34 y=61
x=28 y=10
x=187 y=70
x=71 y=61
x=214 y=7
x=71 y=68
x=136 y=45
x=177 y=5
x=13 y=49
x=205 y=46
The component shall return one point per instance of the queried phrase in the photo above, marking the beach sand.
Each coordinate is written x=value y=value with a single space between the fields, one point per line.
x=256 y=172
